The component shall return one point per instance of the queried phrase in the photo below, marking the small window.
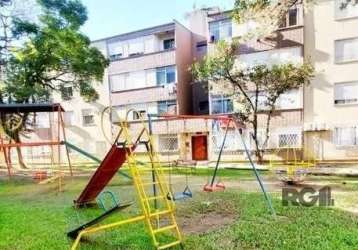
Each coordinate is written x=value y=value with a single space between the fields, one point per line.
x=346 y=136
x=140 y=114
x=220 y=30
x=88 y=117
x=67 y=93
x=169 y=44
x=292 y=17
x=346 y=50
x=346 y=93
x=168 y=143
x=288 y=140
x=222 y=105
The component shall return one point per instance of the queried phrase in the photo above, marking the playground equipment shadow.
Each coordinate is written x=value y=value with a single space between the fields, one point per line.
x=37 y=217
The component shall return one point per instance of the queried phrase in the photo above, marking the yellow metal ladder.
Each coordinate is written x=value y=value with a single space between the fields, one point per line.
x=158 y=210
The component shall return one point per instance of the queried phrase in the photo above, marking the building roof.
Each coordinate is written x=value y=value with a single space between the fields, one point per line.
x=139 y=33
x=32 y=107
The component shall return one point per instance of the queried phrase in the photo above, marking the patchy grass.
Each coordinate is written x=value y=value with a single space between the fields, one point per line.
x=37 y=217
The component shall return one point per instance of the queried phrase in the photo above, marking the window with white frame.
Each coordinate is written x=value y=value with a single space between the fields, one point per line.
x=115 y=50
x=288 y=140
x=136 y=47
x=346 y=93
x=88 y=117
x=346 y=50
x=166 y=75
x=69 y=118
x=168 y=143
x=346 y=9
x=118 y=82
x=220 y=30
x=221 y=105
x=346 y=136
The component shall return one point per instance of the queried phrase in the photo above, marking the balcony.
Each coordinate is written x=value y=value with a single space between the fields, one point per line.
x=142 y=62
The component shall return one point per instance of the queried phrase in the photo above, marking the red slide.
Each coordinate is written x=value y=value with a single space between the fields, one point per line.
x=105 y=172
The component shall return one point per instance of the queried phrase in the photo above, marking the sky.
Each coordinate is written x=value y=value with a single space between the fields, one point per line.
x=112 y=17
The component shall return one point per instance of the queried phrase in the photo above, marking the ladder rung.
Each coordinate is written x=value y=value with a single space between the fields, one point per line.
x=170 y=245
x=155 y=198
x=150 y=183
x=167 y=228
x=160 y=213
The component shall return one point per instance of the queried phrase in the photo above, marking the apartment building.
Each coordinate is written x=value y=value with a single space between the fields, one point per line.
x=330 y=114
x=286 y=45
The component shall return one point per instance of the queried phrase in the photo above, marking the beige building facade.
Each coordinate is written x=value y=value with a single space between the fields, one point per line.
x=331 y=101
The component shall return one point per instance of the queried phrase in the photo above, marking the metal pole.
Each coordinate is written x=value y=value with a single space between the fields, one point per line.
x=267 y=197
x=220 y=153
x=150 y=127
x=65 y=139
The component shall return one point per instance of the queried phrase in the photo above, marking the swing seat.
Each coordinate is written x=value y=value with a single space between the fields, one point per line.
x=212 y=188
x=186 y=194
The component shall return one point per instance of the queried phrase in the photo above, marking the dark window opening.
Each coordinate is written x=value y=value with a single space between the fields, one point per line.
x=169 y=44
x=67 y=93
x=292 y=17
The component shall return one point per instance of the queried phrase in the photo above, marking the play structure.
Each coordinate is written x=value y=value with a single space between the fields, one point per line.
x=44 y=133
x=185 y=126
x=157 y=211
x=293 y=165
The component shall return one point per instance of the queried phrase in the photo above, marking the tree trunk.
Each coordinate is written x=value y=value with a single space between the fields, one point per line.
x=19 y=152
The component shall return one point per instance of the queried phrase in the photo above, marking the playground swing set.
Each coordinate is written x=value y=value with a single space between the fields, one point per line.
x=53 y=139
x=158 y=208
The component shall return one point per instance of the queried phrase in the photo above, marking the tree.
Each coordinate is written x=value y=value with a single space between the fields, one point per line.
x=267 y=14
x=257 y=89
x=54 y=55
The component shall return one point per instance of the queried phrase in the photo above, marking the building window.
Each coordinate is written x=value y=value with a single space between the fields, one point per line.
x=290 y=19
x=88 y=117
x=140 y=114
x=220 y=30
x=346 y=93
x=288 y=140
x=222 y=105
x=201 y=47
x=168 y=143
x=115 y=51
x=166 y=75
x=67 y=93
x=169 y=44
x=346 y=50
x=346 y=9
x=136 y=47
x=167 y=107
x=69 y=118
x=346 y=136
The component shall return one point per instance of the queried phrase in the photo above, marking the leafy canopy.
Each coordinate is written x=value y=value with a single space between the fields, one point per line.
x=56 y=54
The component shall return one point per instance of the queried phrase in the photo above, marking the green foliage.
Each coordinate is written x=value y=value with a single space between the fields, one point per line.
x=247 y=84
x=55 y=54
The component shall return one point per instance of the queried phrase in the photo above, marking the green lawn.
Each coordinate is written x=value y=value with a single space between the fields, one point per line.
x=37 y=217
